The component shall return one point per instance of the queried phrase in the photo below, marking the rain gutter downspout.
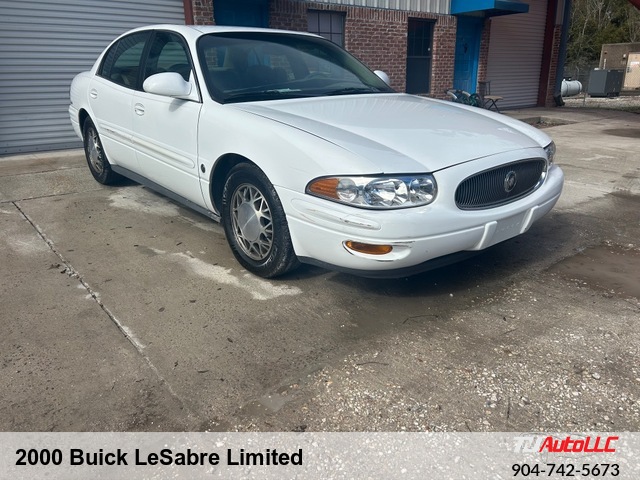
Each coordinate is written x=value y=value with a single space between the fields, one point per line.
x=562 y=53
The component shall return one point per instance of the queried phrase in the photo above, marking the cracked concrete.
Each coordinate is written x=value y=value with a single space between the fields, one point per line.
x=64 y=366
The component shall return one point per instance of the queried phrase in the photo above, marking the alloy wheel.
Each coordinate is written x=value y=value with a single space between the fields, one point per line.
x=95 y=151
x=252 y=222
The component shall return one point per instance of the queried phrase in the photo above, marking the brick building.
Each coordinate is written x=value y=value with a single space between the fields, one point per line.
x=425 y=46
x=625 y=57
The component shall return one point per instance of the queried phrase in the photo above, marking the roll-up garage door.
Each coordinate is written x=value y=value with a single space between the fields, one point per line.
x=43 y=45
x=515 y=56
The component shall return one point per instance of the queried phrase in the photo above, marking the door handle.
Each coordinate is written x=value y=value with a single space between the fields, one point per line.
x=139 y=109
x=93 y=93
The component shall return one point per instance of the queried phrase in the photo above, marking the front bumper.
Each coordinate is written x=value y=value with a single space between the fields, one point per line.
x=418 y=235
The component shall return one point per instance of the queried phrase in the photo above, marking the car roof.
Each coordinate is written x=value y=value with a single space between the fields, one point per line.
x=194 y=31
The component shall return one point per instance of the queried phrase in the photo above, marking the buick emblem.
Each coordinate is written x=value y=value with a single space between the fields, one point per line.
x=510 y=181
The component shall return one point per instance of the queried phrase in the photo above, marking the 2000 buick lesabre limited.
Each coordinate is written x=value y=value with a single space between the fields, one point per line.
x=304 y=154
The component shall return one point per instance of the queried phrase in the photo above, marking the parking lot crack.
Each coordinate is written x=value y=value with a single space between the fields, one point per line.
x=36 y=197
x=128 y=334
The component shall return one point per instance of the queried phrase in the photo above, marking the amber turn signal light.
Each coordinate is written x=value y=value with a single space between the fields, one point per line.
x=325 y=187
x=368 y=248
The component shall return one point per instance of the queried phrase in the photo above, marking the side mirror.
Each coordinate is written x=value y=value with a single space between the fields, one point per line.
x=383 y=76
x=168 y=84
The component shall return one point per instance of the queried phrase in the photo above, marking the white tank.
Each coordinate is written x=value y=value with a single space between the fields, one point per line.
x=570 y=88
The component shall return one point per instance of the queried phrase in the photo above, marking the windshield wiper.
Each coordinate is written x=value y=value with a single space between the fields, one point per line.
x=264 y=95
x=351 y=91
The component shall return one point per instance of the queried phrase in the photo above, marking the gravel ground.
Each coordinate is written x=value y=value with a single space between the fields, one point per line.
x=629 y=103
x=485 y=370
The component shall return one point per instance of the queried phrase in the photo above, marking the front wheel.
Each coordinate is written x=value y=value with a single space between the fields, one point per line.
x=255 y=223
x=96 y=158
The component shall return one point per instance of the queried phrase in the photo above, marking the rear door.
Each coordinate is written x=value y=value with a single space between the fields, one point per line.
x=166 y=128
x=111 y=96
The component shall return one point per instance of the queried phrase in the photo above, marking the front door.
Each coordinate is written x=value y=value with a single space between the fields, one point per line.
x=166 y=128
x=467 y=55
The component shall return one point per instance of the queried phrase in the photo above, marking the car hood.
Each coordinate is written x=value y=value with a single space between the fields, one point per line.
x=400 y=132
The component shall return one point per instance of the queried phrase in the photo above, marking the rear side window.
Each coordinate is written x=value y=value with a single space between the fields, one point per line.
x=121 y=63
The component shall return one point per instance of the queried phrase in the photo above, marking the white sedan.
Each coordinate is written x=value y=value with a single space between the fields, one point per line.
x=304 y=154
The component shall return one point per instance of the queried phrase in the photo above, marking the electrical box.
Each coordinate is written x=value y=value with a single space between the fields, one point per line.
x=605 y=83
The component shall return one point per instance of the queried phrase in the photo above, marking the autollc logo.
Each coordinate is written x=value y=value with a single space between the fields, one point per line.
x=541 y=443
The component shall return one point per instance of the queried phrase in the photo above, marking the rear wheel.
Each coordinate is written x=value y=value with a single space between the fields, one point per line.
x=96 y=158
x=255 y=223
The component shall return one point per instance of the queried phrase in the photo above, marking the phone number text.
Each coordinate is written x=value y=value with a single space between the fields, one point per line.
x=566 y=469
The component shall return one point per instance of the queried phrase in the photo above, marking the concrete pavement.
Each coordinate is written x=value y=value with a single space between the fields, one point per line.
x=121 y=310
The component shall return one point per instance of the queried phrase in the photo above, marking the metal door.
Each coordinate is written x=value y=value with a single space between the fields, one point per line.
x=419 y=47
x=515 y=56
x=467 y=53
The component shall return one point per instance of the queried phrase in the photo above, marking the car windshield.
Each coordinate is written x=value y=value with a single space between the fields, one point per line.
x=253 y=66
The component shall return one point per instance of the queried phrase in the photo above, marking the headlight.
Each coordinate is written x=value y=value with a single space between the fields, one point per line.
x=550 y=150
x=377 y=192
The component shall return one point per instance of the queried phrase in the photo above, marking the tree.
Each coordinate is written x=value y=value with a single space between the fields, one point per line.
x=594 y=23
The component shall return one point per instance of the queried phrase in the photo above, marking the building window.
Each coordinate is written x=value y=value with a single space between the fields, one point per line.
x=419 y=45
x=329 y=25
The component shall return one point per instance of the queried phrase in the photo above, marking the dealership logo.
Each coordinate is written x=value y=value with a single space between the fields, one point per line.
x=541 y=443
x=510 y=181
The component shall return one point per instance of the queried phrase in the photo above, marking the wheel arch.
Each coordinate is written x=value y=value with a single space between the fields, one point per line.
x=82 y=117
x=219 y=174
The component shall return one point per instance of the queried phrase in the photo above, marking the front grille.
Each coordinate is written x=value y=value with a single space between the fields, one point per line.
x=491 y=188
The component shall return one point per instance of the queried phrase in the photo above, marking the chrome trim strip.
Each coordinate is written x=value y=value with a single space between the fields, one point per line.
x=162 y=153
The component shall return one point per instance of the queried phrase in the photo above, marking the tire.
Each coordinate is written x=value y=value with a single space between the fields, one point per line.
x=96 y=158
x=255 y=223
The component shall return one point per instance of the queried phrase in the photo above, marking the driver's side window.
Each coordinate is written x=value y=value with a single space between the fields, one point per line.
x=168 y=53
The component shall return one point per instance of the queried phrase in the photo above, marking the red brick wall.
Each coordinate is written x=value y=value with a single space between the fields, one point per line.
x=291 y=15
x=484 y=50
x=444 y=47
x=553 y=68
x=379 y=39
x=202 y=12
